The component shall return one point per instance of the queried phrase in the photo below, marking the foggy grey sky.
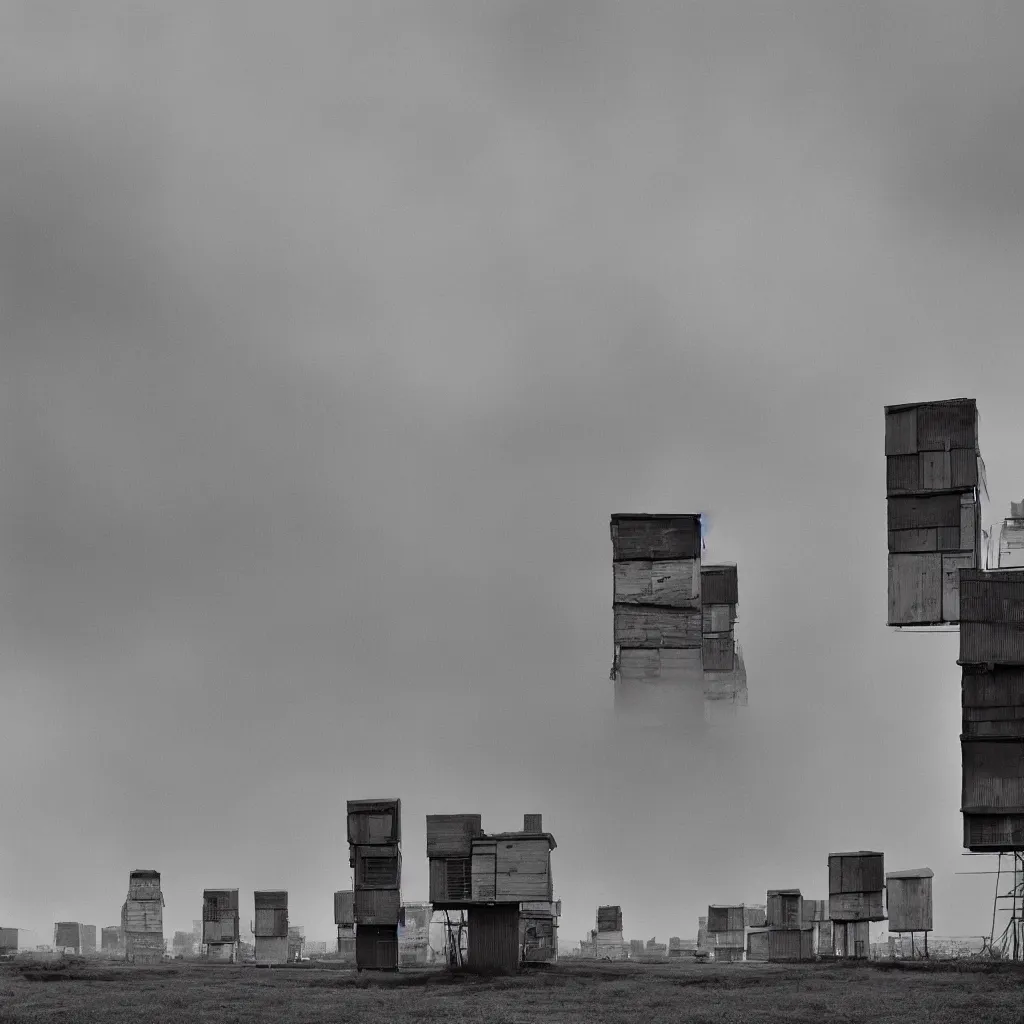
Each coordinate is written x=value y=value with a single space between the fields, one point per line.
x=334 y=332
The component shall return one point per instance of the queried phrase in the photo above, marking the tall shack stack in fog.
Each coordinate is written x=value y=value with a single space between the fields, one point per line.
x=142 y=918
x=220 y=924
x=270 y=928
x=992 y=687
x=935 y=487
x=344 y=918
x=375 y=855
x=491 y=877
x=856 y=884
x=675 y=648
x=607 y=936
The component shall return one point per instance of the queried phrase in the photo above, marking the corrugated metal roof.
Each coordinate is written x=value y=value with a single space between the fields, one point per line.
x=911 y=873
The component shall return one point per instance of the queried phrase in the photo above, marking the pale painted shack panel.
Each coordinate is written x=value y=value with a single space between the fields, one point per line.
x=675 y=583
x=718 y=618
x=909 y=903
x=915 y=589
x=646 y=626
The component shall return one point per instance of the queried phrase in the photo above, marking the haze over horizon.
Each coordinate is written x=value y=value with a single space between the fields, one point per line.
x=333 y=334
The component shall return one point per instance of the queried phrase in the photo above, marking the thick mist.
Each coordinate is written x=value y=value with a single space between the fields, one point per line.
x=331 y=337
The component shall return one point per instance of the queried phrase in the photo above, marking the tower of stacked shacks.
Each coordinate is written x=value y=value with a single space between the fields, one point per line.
x=908 y=901
x=607 y=936
x=856 y=884
x=112 y=940
x=815 y=916
x=674 y=621
x=490 y=877
x=414 y=933
x=789 y=936
x=220 y=924
x=375 y=836
x=727 y=929
x=344 y=918
x=271 y=926
x=67 y=936
x=142 y=918
x=935 y=484
x=8 y=941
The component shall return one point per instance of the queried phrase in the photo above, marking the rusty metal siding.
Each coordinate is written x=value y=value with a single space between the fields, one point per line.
x=719 y=584
x=649 y=626
x=909 y=904
x=993 y=833
x=494 y=938
x=755 y=915
x=945 y=425
x=901 y=430
x=915 y=589
x=963 y=468
x=377 y=907
x=990 y=642
x=993 y=776
x=936 y=472
x=675 y=583
x=374 y=822
x=996 y=596
x=451 y=835
x=902 y=474
x=654 y=537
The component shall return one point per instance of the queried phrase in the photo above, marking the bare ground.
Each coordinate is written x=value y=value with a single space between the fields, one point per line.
x=684 y=993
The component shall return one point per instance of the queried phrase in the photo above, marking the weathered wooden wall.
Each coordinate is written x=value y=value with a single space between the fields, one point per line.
x=272 y=949
x=374 y=822
x=494 y=938
x=784 y=908
x=909 y=901
x=451 y=835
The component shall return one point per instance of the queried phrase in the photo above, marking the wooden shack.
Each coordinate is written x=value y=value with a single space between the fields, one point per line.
x=220 y=923
x=934 y=473
x=908 y=899
x=111 y=940
x=727 y=931
x=374 y=835
x=538 y=931
x=271 y=926
x=992 y=696
x=785 y=909
x=344 y=918
x=608 y=941
x=856 y=883
x=814 y=914
x=8 y=941
x=851 y=939
x=142 y=920
x=791 y=943
x=67 y=936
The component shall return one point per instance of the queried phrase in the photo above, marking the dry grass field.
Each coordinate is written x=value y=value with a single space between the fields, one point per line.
x=75 y=992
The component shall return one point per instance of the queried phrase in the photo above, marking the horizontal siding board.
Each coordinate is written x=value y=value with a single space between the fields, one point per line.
x=935 y=471
x=646 y=626
x=718 y=653
x=945 y=425
x=913 y=541
x=923 y=512
x=902 y=474
x=672 y=583
x=1003 y=687
x=915 y=589
x=451 y=835
x=856 y=906
x=987 y=642
x=901 y=432
x=655 y=539
x=143 y=916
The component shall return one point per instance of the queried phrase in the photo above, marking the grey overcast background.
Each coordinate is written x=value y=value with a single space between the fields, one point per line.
x=334 y=332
